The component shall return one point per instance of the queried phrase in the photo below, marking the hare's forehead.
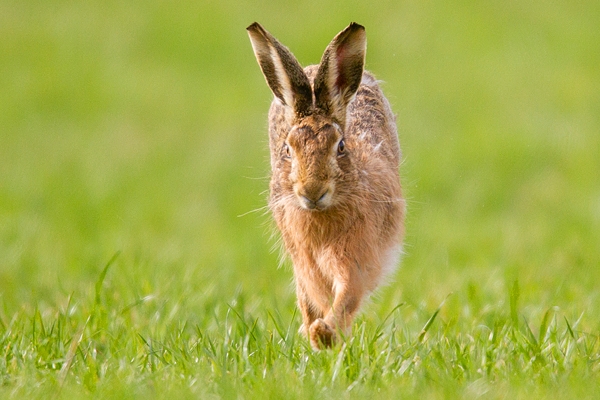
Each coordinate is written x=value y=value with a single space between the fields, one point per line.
x=325 y=135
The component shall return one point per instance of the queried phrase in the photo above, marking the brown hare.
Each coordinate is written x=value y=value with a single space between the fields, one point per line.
x=335 y=189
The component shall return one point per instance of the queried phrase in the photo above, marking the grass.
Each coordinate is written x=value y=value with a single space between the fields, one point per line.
x=133 y=148
x=100 y=346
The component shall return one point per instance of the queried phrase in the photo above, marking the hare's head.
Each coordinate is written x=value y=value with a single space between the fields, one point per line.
x=311 y=148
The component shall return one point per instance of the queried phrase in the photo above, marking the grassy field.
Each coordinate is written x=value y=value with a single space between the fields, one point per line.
x=133 y=150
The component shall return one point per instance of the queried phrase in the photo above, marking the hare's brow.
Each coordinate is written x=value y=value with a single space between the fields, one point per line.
x=306 y=130
x=330 y=126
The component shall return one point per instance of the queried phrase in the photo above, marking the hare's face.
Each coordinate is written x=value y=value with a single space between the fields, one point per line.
x=315 y=151
x=313 y=168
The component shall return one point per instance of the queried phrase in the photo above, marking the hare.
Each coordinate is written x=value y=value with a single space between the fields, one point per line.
x=335 y=189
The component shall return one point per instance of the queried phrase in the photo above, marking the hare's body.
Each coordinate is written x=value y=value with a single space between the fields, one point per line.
x=335 y=188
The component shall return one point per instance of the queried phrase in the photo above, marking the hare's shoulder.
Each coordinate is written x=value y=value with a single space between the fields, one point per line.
x=371 y=122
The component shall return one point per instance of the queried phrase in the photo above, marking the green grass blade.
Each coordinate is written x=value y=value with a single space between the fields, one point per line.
x=102 y=276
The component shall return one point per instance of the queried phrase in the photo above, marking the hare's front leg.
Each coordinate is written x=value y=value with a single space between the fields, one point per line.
x=307 y=308
x=348 y=296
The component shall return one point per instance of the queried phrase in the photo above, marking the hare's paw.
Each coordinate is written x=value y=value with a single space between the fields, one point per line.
x=321 y=335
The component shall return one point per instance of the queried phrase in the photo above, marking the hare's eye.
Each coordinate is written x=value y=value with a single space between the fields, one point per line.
x=286 y=150
x=341 y=147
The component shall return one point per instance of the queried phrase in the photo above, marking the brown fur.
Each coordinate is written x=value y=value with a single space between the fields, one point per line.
x=340 y=213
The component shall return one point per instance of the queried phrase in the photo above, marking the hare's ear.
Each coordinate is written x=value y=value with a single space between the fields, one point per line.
x=340 y=71
x=283 y=73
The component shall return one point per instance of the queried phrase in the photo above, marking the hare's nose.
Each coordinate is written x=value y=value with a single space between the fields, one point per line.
x=311 y=199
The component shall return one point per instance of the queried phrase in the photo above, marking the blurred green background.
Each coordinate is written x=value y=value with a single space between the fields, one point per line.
x=140 y=127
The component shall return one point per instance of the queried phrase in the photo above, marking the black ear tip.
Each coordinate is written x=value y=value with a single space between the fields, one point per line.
x=355 y=27
x=254 y=26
